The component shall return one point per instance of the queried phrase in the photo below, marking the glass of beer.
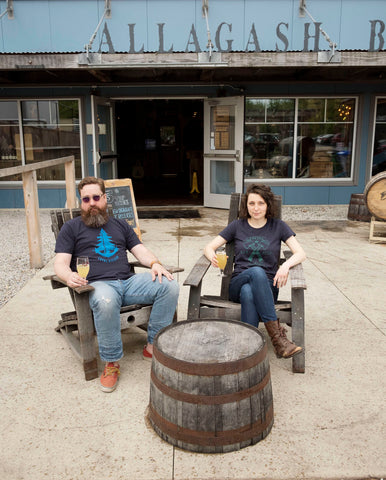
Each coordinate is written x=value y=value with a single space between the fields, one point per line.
x=83 y=266
x=221 y=260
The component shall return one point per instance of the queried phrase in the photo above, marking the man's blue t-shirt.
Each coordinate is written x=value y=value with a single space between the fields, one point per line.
x=106 y=247
x=257 y=246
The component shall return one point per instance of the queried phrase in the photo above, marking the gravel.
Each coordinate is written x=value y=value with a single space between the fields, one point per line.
x=14 y=260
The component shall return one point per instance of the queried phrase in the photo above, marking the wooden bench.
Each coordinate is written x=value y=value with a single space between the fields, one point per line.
x=290 y=312
x=77 y=326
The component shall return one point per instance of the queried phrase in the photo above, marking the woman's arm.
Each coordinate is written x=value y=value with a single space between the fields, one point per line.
x=298 y=256
x=210 y=249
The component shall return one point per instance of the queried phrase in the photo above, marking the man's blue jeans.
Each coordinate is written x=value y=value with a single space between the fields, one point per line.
x=257 y=295
x=109 y=296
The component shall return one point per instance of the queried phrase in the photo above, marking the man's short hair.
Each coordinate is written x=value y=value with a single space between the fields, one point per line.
x=92 y=181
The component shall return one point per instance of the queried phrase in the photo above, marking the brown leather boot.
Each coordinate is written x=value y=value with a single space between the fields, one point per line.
x=283 y=347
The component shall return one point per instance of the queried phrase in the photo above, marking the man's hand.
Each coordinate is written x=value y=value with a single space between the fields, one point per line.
x=158 y=270
x=75 y=280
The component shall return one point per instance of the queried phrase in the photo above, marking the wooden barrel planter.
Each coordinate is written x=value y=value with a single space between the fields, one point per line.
x=210 y=388
x=375 y=196
x=357 y=209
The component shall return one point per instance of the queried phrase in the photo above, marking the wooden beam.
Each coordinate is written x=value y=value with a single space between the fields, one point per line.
x=69 y=168
x=6 y=172
x=31 y=203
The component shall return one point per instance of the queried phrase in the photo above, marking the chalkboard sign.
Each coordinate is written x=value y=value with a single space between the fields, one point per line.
x=121 y=196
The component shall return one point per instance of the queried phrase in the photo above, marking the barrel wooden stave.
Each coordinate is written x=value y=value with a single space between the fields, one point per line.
x=212 y=413
x=375 y=196
x=357 y=209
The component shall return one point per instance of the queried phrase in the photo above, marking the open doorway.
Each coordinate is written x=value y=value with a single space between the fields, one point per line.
x=160 y=147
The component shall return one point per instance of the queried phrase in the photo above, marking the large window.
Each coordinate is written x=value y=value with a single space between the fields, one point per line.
x=379 y=155
x=36 y=130
x=289 y=138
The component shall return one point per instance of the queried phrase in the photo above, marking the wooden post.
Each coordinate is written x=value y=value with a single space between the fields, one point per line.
x=31 y=203
x=69 y=169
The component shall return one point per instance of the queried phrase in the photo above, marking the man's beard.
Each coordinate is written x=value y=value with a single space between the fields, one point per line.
x=95 y=217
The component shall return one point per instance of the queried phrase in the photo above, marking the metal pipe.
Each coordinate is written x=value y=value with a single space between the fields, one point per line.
x=106 y=13
x=205 y=11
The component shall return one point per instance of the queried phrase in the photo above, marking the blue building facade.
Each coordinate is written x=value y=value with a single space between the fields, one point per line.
x=194 y=99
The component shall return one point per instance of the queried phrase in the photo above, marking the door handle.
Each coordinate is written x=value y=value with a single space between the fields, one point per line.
x=238 y=159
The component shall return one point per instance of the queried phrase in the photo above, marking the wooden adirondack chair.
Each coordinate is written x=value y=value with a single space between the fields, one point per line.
x=290 y=312
x=77 y=326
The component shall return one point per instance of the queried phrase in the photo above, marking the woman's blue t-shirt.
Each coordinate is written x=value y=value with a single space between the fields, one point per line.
x=106 y=247
x=257 y=246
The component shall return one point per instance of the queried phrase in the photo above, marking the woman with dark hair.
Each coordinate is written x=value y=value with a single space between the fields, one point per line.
x=256 y=278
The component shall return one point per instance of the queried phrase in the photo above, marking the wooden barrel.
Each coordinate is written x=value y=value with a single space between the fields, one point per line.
x=210 y=388
x=357 y=209
x=375 y=196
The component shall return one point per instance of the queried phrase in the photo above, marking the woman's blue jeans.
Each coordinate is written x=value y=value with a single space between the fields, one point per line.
x=257 y=295
x=108 y=298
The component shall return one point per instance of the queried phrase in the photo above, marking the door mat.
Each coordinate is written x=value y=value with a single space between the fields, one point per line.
x=169 y=213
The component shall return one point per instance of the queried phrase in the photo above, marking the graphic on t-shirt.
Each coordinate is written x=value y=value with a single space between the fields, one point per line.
x=105 y=247
x=254 y=247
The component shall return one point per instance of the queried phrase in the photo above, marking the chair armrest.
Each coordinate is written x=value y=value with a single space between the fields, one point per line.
x=169 y=268
x=57 y=282
x=197 y=273
x=296 y=273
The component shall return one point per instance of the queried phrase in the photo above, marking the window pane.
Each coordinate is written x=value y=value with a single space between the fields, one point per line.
x=255 y=110
x=222 y=127
x=280 y=110
x=379 y=157
x=269 y=126
x=332 y=136
x=10 y=154
x=51 y=131
x=340 y=110
x=311 y=110
x=332 y=150
x=222 y=177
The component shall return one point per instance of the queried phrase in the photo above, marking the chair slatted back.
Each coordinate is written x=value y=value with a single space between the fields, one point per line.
x=234 y=211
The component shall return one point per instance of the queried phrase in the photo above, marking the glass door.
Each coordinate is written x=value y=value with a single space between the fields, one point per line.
x=223 y=149
x=104 y=145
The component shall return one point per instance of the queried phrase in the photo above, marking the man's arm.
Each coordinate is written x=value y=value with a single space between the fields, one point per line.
x=63 y=271
x=147 y=258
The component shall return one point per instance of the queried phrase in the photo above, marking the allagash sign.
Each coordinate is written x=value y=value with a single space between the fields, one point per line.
x=224 y=37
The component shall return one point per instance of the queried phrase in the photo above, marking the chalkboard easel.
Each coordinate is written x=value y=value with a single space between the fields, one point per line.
x=120 y=195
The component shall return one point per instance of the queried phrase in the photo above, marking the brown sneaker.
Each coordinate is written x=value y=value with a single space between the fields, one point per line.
x=109 y=377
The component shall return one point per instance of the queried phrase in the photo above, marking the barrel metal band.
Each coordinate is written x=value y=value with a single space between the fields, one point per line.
x=210 y=399
x=210 y=369
x=205 y=438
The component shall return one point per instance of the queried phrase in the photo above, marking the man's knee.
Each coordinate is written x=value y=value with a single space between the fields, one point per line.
x=170 y=288
x=103 y=298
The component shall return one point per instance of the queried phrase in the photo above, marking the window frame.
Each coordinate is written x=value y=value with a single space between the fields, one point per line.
x=327 y=181
x=373 y=125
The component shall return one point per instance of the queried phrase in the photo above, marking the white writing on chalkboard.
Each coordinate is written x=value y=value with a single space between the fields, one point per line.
x=120 y=196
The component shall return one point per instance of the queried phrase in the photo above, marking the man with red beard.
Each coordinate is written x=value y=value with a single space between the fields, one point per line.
x=105 y=241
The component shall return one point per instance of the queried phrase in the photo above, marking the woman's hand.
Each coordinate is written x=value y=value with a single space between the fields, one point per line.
x=281 y=277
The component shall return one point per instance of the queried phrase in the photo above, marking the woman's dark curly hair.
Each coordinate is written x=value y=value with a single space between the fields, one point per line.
x=265 y=192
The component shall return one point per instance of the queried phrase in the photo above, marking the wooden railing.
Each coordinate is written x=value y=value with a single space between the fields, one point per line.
x=31 y=200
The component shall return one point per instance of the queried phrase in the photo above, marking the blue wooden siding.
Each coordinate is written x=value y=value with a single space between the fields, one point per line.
x=67 y=25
